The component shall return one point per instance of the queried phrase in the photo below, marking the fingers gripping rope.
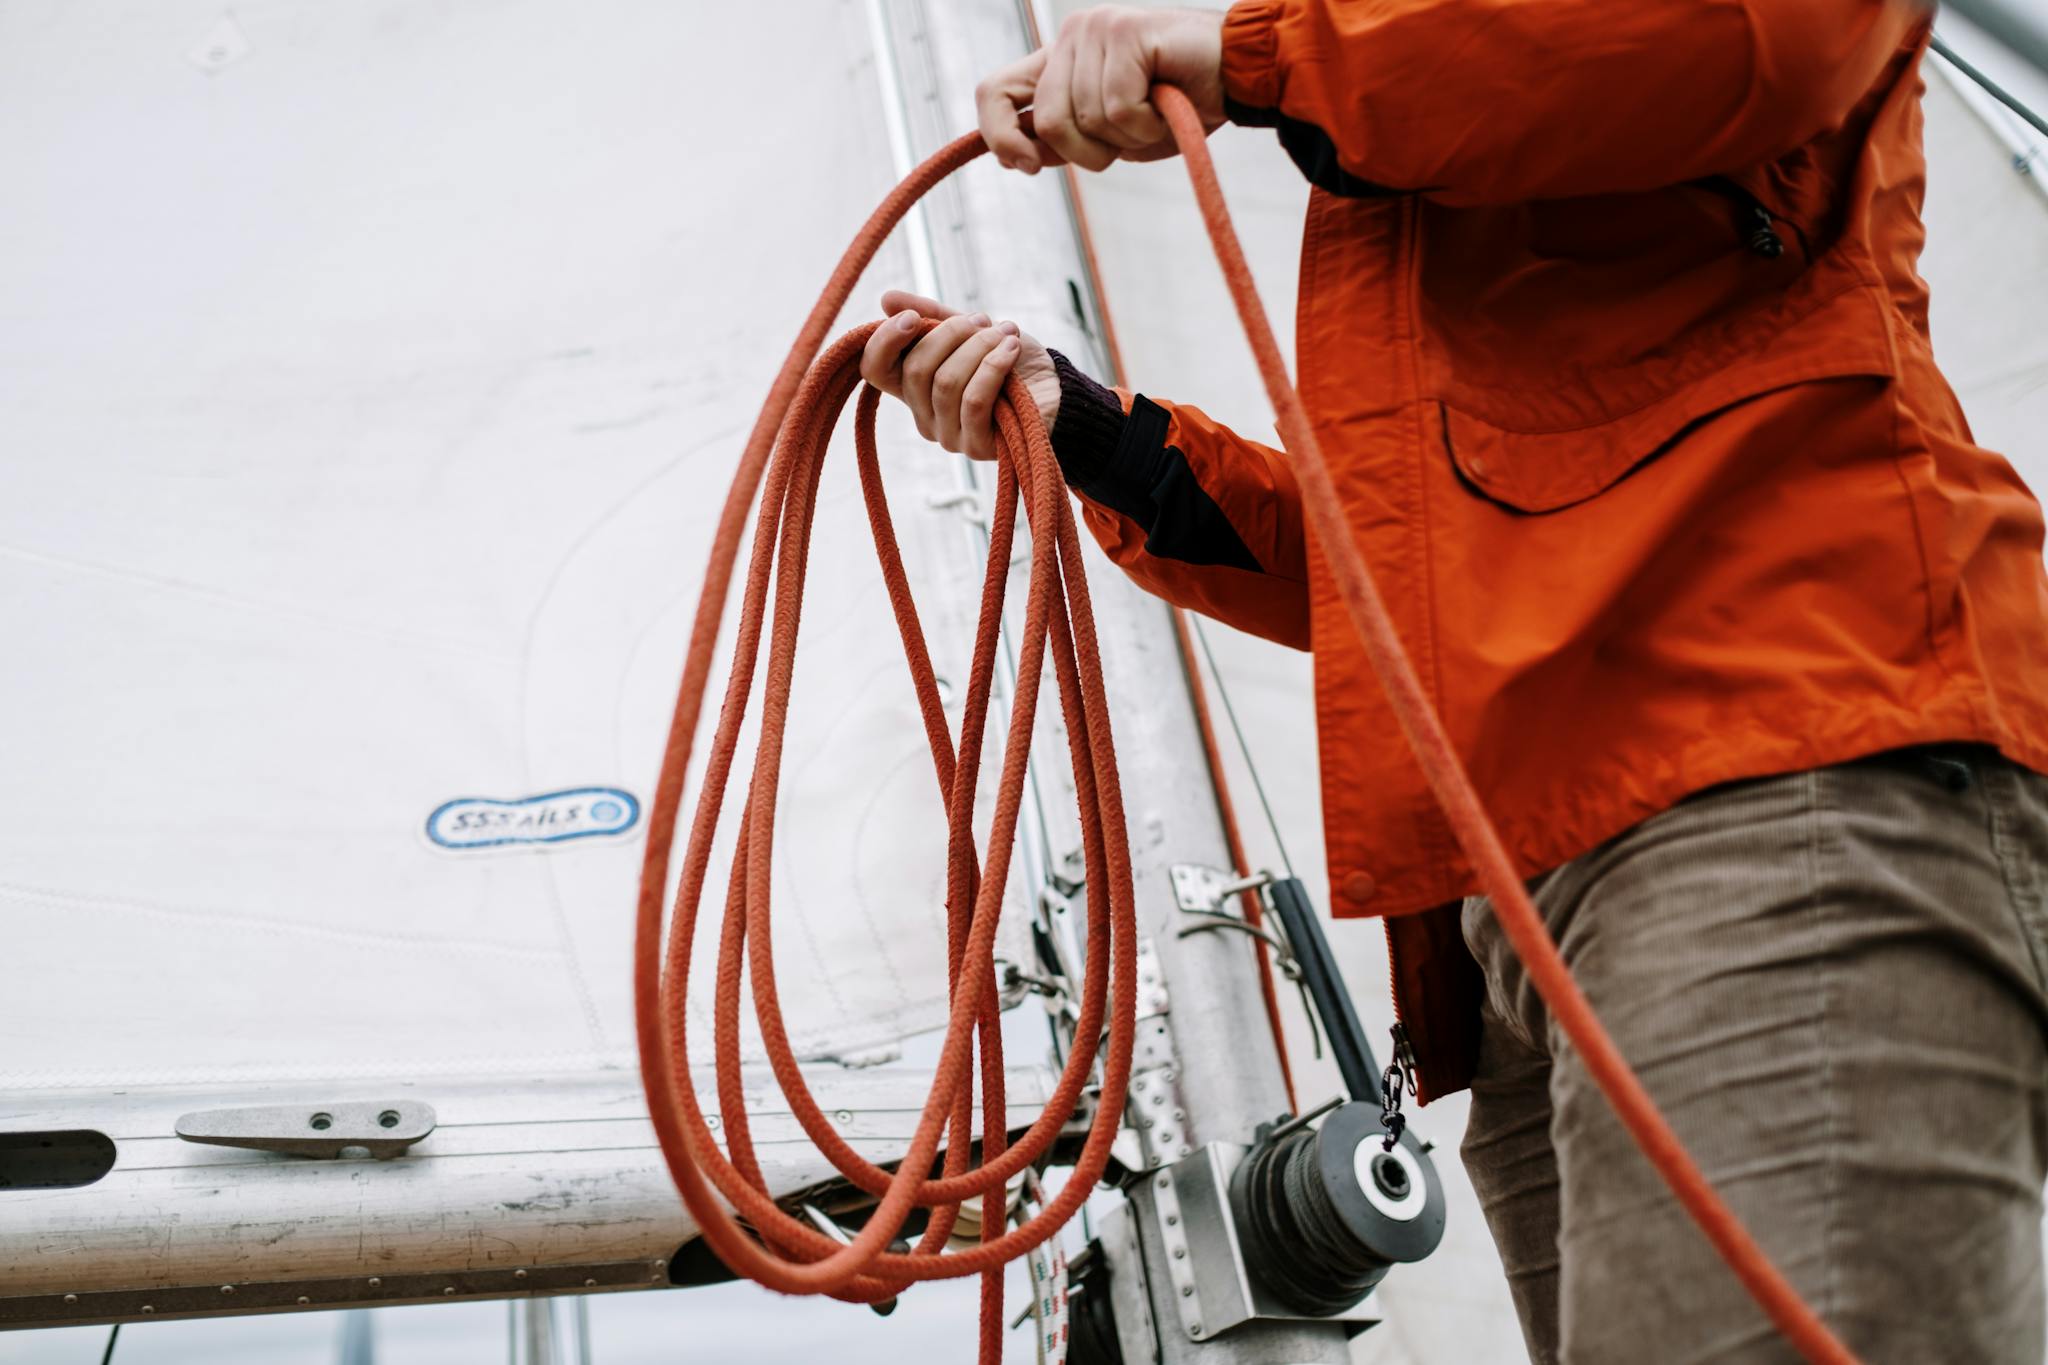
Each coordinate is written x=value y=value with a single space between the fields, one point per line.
x=782 y=461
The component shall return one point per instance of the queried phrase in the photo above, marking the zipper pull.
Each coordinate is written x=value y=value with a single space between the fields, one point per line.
x=1399 y=1080
x=1763 y=235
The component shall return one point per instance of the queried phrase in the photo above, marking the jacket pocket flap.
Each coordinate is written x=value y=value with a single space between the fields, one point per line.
x=1546 y=471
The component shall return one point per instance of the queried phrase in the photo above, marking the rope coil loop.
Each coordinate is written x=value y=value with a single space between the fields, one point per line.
x=782 y=461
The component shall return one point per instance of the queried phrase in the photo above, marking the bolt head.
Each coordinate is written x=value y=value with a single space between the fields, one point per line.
x=1390 y=1175
x=376 y=1282
x=71 y=1298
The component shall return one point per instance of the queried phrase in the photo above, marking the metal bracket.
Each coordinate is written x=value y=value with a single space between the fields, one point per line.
x=1180 y=1265
x=1130 y=1289
x=1152 y=994
x=1155 y=1109
x=376 y=1128
x=1212 y=1287
x=1200 y=890
x=967 y=500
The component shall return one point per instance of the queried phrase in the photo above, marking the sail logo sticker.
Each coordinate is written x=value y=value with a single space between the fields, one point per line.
x=476 y=822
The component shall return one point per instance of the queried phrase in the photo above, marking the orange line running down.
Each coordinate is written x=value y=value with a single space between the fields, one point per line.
x=781 y=461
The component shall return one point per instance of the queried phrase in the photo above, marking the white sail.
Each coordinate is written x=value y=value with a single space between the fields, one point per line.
x=370 y=378
x=369 y=396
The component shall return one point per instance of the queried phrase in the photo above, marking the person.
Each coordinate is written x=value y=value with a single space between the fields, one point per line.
x=1610 y=327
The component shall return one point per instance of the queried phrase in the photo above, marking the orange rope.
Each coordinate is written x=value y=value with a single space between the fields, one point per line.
x=1447 y=777
x=782 y=460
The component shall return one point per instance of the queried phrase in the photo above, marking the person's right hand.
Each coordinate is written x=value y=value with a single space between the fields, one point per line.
x=949 y=377
x=1090 y=89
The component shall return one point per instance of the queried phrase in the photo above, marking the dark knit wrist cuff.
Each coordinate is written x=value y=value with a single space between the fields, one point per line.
x=1089 y=425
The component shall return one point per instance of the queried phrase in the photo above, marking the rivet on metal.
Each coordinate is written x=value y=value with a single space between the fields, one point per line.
x=518 y=1274
x=449 y=1290
x=71 y=1298
x=1187 y=1291
x=590 y=1284
x=149 y=1308
x=227 y=1289
x=1164 y=1181
x=376 y=1283
x=304 y=1299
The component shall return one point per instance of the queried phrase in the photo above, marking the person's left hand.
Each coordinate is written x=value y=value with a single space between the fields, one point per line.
x=950 y=376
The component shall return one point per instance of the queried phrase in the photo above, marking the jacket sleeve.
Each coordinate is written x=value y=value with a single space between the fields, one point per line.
x=1503 y=101
x=1190 y=510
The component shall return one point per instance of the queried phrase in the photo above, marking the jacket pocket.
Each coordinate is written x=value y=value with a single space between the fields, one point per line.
x=1562 y=449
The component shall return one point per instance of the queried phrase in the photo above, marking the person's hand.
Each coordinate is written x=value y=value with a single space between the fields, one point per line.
x=949 y=377
x=1090 y=89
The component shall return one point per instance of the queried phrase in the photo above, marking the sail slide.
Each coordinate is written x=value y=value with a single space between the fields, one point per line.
x=371 y=377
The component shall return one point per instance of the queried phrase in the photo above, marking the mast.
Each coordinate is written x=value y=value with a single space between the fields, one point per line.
x=1208 y=1071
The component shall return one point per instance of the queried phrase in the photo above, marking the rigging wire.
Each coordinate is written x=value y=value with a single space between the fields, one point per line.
x=1243 y=745
x=2015 y=23
x=107 y=1356
x=1988 y=85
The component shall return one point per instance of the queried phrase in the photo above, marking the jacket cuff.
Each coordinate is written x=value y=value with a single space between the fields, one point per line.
x=1089 y=425
x=1251 y=55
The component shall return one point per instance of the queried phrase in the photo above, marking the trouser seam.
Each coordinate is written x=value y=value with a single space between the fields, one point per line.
x=1818 y=808
x=1994 y=787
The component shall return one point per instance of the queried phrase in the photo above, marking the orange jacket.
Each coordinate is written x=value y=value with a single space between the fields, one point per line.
x=1610 y=325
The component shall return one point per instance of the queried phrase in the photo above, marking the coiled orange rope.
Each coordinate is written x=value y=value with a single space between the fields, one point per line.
x=786 y=450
